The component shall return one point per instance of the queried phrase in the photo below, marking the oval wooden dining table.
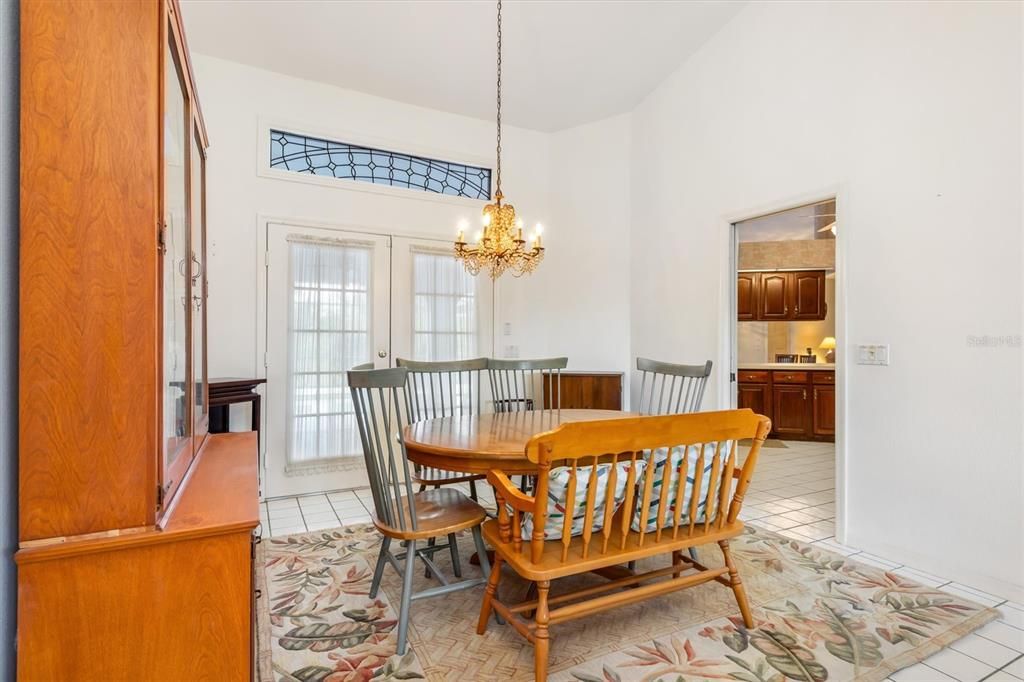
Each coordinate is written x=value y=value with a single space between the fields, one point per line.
x=478 y=443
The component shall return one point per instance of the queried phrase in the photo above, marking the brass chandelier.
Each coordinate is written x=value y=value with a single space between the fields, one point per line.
x=500 y=245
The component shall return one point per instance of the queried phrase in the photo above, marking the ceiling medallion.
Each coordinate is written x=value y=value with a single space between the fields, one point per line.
x=500 y=245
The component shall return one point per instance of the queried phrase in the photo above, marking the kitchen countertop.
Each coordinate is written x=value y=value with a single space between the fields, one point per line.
x=796 y=367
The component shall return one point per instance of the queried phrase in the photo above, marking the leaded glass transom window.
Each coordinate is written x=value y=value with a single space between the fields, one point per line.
x=317 y=156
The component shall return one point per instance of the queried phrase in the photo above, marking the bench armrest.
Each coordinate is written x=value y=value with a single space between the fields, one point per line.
x=507 y=490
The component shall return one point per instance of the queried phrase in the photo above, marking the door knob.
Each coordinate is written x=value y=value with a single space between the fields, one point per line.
x=382 y=354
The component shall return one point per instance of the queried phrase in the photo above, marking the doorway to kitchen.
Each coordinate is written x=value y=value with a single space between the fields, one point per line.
x=784 y=346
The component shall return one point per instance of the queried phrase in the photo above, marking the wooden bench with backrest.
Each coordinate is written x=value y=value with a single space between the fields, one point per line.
x=653 y=502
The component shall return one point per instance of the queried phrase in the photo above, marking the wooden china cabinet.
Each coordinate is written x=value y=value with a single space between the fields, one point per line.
x=136 y=525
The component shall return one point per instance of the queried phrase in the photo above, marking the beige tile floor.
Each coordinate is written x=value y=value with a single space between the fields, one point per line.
x=793 y=494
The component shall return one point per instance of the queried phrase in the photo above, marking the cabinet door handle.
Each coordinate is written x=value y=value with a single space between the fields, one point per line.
x=805 y=394
x=815 y=394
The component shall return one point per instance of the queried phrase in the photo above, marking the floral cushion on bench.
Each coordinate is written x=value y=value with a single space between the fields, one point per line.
x=656 y=467
x=558 y=486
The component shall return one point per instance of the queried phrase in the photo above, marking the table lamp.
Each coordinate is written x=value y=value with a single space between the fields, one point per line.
x=828 y=344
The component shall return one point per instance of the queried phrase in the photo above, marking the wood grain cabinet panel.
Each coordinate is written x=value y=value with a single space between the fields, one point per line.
x=584 y=390
x=790 y=411
x=809 y=295
x=801 y=404
x=89 y=274
x=824 y=410
x=781 y=296
x=128 y=566
x=757 y=397
x=747 y=294
x=776 y=296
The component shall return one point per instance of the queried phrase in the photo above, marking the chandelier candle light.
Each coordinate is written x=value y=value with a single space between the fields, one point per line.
x=500 y=245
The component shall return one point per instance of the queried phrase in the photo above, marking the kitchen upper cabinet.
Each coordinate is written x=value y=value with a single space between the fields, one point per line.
x=781 y=296
x=809 y=295
x=776 y=296
x=747 y=285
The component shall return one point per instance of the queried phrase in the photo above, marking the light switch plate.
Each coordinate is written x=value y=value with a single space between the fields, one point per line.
x=507 y=328
x=873 y=354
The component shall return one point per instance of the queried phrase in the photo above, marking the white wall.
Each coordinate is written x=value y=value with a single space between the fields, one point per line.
x=913 y=112
x=577 y=292
x=577 y=302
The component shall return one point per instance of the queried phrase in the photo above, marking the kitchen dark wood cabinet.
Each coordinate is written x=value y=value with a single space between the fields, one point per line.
x=781 y=296
x=775 y=296
x=747 y=286
x=824 y=399
x=800 y=403
x=757 y=397
x=809 y=295
x=790 y=410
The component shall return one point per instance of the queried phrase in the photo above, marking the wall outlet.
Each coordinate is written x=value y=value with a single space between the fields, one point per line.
x=873 y=354
x=512 y=352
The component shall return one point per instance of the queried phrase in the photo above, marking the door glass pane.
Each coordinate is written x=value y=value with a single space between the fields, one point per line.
x=444 y=310
x=198 y=277
x=176 y=303
x=328 y=334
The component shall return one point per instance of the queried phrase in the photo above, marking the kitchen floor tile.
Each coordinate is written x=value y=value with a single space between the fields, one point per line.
x=1004 y=634
x=959 y=665
x=985 y=650
x=920 y=673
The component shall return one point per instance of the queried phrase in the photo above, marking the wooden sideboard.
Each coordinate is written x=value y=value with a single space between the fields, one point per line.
x=800 y=402
x=584 y=390
x=135 y=526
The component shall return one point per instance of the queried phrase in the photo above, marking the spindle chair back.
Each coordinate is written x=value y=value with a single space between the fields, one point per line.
x=518 y=385
x=669 y=388
x=617 y=531
x=399 y=512
x=444 y=389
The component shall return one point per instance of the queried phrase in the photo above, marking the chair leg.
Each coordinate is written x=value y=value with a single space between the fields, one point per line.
x=378 y=572
x=403 y=612
x=426 y=571
x=737 y=585
x=540 y=644
x=677 y=560
x=489 y=593
x=481 y=551
x=453 y=548
x=472 y=490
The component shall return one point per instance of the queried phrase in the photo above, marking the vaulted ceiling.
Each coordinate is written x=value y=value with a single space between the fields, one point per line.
x=565 y=63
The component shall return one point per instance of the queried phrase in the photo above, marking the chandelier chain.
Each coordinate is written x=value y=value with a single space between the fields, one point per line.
x=500 y=247
x=499 y=100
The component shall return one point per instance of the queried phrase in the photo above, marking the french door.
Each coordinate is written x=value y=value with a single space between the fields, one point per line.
x=337 y=299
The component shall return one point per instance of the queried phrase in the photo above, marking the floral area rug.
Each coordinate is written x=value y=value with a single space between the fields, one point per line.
x=819 y=616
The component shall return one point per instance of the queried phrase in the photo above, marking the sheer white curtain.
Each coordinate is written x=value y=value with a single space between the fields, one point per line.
x=444 y=308
x=329 y=330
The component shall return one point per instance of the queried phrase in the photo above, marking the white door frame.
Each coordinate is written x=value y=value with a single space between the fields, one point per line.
x=728 y=313
x=261 y=330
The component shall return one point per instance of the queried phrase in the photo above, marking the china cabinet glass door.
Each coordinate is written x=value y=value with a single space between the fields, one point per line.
x=200 y=396
x=176 y=301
